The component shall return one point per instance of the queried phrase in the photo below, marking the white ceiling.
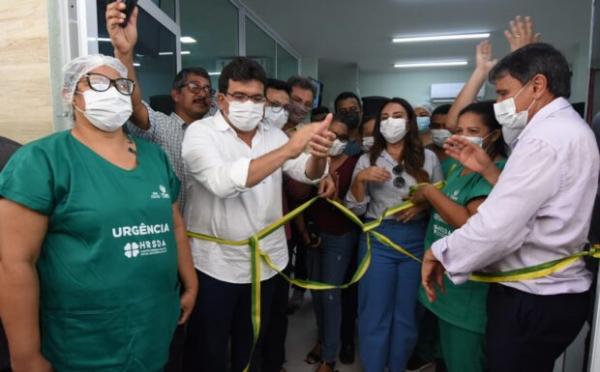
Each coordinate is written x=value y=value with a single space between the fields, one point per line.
x=360 y=31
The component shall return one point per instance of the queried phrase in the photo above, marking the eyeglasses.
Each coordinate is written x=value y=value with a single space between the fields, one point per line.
x=243 y=97
x=197 y=88
x=102 y=83
x=276 y=107
x=399 y=181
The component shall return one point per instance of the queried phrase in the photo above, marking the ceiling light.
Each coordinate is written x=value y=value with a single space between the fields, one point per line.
x=414 y=39
x=431 y=64
x=185 y=52
x=136 y=64
x=187 y=39
x=165 y=53
x=214 y=73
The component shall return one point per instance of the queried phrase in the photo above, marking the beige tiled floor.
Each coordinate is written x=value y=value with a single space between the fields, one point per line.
x=302 y=333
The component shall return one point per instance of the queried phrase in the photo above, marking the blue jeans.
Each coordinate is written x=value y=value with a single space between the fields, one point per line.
x=330 y=266
x=387 y=298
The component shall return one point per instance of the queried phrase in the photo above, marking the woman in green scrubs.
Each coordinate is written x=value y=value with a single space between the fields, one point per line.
x=92 y=244
x=461 y=310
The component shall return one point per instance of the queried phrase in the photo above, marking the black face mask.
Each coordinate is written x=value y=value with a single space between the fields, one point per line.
x=352 y=119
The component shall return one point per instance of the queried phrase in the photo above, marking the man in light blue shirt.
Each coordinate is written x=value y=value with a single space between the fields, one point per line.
x=539 y=211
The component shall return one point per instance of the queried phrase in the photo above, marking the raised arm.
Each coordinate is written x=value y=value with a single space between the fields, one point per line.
x=521 y=33
x=316 y=137
x=22 y=232
x=123 y=40
x=228 y=179
x=483 y=65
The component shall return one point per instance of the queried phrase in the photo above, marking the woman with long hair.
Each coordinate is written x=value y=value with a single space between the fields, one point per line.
x=388 y=292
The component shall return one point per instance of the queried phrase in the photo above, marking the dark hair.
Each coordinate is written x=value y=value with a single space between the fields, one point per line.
x=241 y=69
x=183 y=75
x=341 y=119
x=319 y=110
x=485 y=111
x=278 y=85
x=413 y=154
x=441 y=110
x=365 y=120
x=303 y=83
x=538 y=58
x=346 y=95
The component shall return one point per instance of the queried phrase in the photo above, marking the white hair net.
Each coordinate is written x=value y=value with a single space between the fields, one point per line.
x=75 y=69
x=426 y=106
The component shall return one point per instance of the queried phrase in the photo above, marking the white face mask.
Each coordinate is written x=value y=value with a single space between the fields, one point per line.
x=440 y=136
x=245 y=116
x=367 y=143
x=512 y=122
x=393 y=129
x=278 y=119
x=337 y=147
x=108 y=110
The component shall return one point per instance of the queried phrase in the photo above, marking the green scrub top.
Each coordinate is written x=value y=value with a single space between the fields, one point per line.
x=109 y=297
x=447 y=166
x=462 y=305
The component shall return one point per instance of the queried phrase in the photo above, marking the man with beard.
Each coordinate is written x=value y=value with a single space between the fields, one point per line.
x=301 y=102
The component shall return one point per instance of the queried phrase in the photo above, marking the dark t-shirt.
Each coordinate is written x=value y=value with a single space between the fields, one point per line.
x=327 y=217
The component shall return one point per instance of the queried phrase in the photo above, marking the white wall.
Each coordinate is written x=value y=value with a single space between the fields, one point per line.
x=412 y=85
x=337 y=77
x=579 y=60
x=309 y=67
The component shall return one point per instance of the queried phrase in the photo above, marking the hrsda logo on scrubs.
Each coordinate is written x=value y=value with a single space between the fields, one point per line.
x=161 y=194
x=145 y=248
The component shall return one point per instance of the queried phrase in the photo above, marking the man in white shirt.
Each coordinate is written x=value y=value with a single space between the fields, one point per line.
x=235 y=161
x=538 y=211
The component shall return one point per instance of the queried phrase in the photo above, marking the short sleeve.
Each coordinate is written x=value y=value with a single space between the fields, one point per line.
x=156 y=122
x=174 y=182
x=482 y=188
x=27 y=179
x=433 y=167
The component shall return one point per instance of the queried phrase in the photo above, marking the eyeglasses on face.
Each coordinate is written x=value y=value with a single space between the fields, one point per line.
x=197 y=88
x=276 y=107
x=243 y=97
x=102 y=83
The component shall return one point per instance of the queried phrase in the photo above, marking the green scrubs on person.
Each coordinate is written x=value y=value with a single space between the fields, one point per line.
x=461 y=311
x=109 y=297
x=447 y=166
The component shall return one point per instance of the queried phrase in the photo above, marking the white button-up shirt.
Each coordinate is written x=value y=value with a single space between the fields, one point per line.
x=219 y=203
x=539 y=210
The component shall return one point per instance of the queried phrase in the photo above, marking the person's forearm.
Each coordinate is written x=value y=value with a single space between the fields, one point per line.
x=358 y=189
x=264 y=166
x=185 y=263
x=315 y=167
x=140 y=115
x=467 y=95
x=454 y=214
x=491 y=174
x=19 y=310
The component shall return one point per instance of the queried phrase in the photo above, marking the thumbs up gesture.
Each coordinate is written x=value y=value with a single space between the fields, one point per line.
x=315 y=136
